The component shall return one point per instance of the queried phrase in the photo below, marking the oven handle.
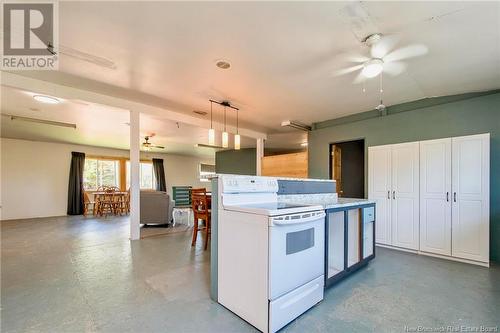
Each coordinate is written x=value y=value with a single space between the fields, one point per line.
x=298 y=221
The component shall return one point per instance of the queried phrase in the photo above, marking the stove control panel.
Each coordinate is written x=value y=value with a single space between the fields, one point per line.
x=249 y=184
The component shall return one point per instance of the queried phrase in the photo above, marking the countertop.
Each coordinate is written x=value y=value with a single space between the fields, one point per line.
x=347 y=202
x=327 y=201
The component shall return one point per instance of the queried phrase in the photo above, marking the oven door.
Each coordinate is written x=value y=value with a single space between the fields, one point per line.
x=296 y=251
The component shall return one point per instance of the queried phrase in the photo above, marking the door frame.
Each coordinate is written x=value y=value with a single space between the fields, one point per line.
x=365 y=154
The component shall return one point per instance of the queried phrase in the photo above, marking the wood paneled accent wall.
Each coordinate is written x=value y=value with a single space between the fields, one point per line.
x=286 y=165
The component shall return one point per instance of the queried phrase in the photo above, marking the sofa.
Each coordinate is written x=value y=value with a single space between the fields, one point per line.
x=156 y=207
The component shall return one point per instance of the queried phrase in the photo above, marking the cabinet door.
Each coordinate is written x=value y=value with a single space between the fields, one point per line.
x=405 y=195
x=435 y=196
x=470 y=206
x=379 y=187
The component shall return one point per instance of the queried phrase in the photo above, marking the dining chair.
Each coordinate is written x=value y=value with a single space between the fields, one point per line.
x=107 y=203
x=123 y=202
x=201 y=209
x=87 y=203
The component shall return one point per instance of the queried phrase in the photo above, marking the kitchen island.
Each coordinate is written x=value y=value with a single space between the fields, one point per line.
x=264 y=228
x=349 y=232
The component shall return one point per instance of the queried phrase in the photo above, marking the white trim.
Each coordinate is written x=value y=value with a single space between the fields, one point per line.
x=467 y=261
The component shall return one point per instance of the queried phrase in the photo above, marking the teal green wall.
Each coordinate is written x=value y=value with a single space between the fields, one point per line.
x=239 y=162
x=427 y=119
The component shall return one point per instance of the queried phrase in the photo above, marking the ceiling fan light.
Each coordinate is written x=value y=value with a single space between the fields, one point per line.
x=237 y=142
x=372 y=68
x=225 y=139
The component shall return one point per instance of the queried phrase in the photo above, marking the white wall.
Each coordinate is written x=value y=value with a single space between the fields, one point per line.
x=34 y=175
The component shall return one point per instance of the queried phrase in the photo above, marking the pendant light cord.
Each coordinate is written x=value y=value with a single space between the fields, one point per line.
x=381 y=89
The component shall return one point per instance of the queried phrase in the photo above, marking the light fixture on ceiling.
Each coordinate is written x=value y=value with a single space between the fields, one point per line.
x=223 y=64
x=372 y=39
x=46 y=99
x=225 y=135
x=41 y=121
x=304 y=144
x=237 y=138
x=211 y=131
x=373 y=67
x=296 y=125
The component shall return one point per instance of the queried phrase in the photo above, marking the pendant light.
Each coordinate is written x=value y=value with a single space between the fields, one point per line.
x=237 y=138
x=211 y=131
x=225 y=135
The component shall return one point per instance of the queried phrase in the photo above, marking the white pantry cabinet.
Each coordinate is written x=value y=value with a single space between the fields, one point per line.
x=471 y=197
x=393 y=183
x=379 y=189
x=433 y=196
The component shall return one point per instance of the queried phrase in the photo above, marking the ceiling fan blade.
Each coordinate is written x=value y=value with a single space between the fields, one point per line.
x=91 y=58
x=347 y=70
x=159 y=147
x=406 y=52
x=394 y=68
x=359 y=79
x=384 y=46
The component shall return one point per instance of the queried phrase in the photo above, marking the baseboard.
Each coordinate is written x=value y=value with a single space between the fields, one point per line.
x=397 y=248
x=467 y=261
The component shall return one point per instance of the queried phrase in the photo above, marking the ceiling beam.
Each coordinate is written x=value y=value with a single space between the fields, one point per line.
x=13 y=80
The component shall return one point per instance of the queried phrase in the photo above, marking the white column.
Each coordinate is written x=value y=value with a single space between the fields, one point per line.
x=260 y=154
x=135 y=140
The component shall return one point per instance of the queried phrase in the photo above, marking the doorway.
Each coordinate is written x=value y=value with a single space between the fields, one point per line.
x=347 y=168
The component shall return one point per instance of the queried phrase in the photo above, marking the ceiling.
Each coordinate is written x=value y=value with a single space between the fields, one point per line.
x=97 y=125
x=282 y=54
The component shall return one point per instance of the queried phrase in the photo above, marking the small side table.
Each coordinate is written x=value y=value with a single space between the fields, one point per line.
x=183 y=215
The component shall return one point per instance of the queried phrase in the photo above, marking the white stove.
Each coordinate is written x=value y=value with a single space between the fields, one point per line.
x=270 y=254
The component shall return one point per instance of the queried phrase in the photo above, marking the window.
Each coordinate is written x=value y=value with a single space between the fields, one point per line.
x=146 y=175
x=98 y=173
x=207 y=171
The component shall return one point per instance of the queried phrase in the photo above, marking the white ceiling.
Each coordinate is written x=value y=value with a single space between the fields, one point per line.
x=97 y=125
x=283 y=54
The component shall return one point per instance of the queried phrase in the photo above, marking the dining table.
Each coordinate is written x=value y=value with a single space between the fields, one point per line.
x=114 y=196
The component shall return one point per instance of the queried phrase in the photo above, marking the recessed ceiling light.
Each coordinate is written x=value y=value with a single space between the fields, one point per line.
x=223 y=64
x=46 y=99
x=372 y=67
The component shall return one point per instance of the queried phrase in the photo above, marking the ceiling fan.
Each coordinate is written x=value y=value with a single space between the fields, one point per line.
x=148 y=145
x=382 y=57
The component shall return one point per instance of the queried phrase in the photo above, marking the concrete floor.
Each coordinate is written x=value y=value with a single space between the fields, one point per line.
x=84 y=275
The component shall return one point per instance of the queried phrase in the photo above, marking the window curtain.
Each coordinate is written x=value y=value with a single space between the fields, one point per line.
x=75 y=187
x=159 y=174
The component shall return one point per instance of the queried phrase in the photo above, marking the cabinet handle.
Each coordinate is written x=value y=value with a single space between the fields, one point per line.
x=389 y=195
x=394 y=195
x=447 y=196
x=455 y=196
